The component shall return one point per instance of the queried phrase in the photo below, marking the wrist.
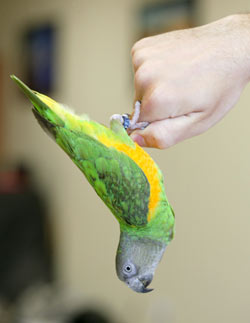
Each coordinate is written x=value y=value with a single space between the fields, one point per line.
x=239 y=25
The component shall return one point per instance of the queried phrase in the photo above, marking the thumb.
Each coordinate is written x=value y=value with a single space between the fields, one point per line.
x=166 y=133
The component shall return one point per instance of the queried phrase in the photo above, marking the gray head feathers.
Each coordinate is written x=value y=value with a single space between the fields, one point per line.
x=137 y=259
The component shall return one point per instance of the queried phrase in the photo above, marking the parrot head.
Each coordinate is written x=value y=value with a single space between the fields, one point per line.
x=136 y=261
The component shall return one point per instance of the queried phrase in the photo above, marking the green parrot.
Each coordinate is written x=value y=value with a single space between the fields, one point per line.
x=124 y=176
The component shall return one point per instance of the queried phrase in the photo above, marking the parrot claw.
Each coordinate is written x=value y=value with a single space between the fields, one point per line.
x=129 y=123
x=134 y=124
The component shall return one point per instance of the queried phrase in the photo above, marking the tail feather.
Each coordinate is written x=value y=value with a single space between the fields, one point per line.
x=39 y=105
x=52 y=115
x=51 y=111
x=45 y=124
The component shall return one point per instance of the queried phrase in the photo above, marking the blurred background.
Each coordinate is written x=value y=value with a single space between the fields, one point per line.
x=57 y=239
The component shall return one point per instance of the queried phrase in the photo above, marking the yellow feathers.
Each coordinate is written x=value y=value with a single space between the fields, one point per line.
x=145 y=162
x=108 y=138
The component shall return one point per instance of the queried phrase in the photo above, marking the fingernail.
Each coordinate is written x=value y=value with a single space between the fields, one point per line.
x=138 y=139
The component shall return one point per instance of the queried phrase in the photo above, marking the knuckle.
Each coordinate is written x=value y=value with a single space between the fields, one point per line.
x=138 y=45
x=138 y=78
x=139 y=57
x=134 y=48
x=143 y=75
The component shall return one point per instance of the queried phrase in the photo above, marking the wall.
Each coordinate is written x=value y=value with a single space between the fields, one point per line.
x=204 y=275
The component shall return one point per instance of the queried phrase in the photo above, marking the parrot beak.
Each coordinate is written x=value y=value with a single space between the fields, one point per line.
x=140 y=284
x=29 y=93
x=145 y=282
x=147 y=290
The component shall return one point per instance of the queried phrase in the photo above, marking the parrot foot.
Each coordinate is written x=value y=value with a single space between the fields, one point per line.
x=133 y=122
x=129 y=123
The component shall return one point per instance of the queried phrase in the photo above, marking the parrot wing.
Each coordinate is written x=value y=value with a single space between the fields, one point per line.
x=116 y=178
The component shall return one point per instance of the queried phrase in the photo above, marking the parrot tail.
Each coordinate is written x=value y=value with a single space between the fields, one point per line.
x=44 y=107
x=46 y=125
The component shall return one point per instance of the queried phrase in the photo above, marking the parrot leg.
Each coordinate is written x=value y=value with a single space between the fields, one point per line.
x=129 y=123
x=133 y=122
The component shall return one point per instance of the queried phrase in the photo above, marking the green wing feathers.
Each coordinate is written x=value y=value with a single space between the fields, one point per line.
x=116 y=178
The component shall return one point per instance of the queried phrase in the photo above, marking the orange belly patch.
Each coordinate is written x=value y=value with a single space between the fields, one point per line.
x=145 y=162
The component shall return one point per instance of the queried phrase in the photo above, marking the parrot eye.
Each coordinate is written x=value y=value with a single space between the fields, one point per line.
x=129 y=269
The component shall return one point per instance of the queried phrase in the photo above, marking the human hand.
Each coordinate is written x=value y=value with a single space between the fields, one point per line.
x=187 y=80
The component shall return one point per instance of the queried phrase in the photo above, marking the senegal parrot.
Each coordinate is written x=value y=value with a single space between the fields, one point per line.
x=123 y=175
